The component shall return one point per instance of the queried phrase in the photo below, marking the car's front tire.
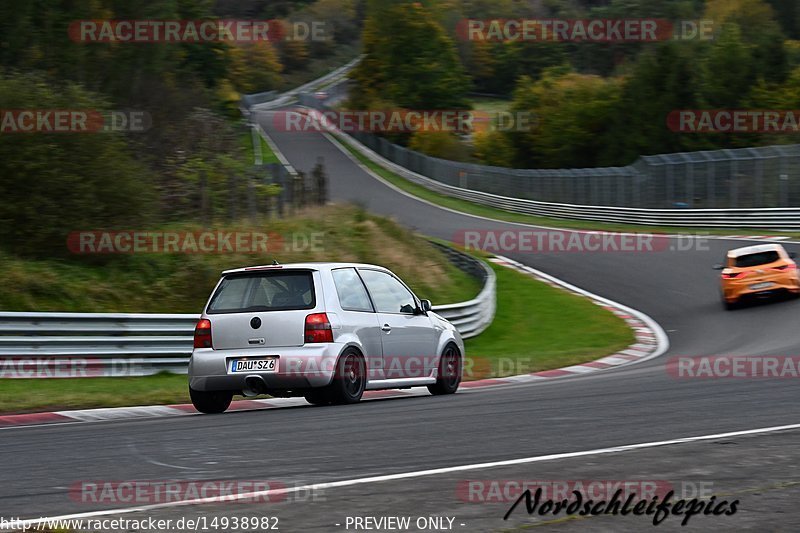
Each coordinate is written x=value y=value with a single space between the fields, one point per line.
x=449 y=375
x=210 y=402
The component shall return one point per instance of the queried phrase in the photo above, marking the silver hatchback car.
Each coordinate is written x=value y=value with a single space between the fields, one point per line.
x=326 y=331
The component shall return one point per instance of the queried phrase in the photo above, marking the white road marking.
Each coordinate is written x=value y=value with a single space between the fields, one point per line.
x=579 y=369
x=275 y=149
x=29 y=523
x=126 y=413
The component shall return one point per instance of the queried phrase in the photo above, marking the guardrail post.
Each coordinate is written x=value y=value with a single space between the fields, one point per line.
x=759 y=185
x=710 y=175
x=670 y=186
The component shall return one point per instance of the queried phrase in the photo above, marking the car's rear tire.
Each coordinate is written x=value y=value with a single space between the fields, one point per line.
x=449 y=375
x=730 y=306
x=349 y=380
x=210 y=402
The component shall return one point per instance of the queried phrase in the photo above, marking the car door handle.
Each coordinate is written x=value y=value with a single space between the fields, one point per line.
x=387 y=328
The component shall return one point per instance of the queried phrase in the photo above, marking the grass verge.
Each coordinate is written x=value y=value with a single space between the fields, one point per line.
x=509 y=216
x=32 y=395
x=267 y=155
x=490 y=104
x=181 y=282
x=537 y=327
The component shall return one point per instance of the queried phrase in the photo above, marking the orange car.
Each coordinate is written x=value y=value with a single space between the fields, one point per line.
x=757 y=271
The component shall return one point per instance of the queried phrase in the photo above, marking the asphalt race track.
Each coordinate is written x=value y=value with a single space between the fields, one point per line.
x=637 y=404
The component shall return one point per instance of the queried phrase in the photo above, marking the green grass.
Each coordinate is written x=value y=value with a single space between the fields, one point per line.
x=489 y=104
x=509 y=216
x=267 y=154
x=181 y=283
x=31 y=395
x=539 y=327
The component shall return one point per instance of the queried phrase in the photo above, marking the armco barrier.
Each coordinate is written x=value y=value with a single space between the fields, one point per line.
x=783 y=218
x=456 y=180
x=473 y=316
x=114 y=344
x=272 y=100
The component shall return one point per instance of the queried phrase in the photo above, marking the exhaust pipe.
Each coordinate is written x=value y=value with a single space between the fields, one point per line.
x=255 y=386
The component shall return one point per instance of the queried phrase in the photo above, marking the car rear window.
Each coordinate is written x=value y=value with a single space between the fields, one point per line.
x=761 y=258
x=264 y=291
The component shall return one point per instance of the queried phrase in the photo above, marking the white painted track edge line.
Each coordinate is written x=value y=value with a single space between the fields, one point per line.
x=274 y=147
x=413 y=474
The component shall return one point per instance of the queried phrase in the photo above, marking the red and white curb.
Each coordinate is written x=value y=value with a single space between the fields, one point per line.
x=757 y=237
x=651 y=341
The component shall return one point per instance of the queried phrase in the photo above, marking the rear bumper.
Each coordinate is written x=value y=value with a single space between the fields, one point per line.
x=734 y=292
x=299 y=367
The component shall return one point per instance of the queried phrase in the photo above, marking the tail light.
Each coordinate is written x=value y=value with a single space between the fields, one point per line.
x=784 y=268
x=318 y=328
x=734 y=275
x=202 y=334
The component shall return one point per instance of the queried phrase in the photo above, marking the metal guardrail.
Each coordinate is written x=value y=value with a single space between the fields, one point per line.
x=782 y=218
x=93 y=344
x=249 y=100
x=472 y=317
x=272 y=100
x=70 y=345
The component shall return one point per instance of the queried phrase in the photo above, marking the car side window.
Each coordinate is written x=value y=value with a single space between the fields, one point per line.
x=352 y=294
x=389 y=295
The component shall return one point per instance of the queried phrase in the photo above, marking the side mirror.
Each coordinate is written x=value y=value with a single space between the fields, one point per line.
x=718 y=267
x=425 y=305
x=792 y=255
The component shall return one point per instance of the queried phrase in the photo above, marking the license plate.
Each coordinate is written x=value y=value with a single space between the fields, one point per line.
x=764 y=285
x=261 y=364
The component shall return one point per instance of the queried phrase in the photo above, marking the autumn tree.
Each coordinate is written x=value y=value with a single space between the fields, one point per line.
x=409 y=59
